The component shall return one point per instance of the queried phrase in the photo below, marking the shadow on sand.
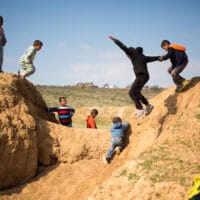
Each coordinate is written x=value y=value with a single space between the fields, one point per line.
x=171 y=102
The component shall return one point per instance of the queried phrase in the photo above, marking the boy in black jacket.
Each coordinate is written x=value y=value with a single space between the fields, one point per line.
x=179 y=60
x=139 y=61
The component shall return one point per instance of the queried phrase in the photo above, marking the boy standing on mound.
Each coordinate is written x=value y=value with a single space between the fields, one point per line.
x=64 y=111
x=2 y=42
x=117 y=138
x=179 y=61
x=27 y=58
x=91 y=119
x=139 y=61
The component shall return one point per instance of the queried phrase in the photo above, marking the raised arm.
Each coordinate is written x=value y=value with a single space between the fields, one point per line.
x=120 y=45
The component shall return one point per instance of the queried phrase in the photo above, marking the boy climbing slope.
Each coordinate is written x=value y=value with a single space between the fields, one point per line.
x=118 y=131
x=179 y=61
x=139 y=61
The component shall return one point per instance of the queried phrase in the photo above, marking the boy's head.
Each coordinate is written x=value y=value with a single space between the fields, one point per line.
x=63 y=101
x=94 y=112
x=1 y=21
x=37 y=45
x=116 y=120
x=165 y=45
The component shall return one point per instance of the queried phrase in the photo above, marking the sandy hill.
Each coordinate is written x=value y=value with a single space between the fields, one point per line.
x=160 y=160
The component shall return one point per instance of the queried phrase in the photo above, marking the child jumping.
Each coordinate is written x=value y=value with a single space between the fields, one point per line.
x=64 y=111
x=27 y=58
x=2 y=42
x=139 y=61
x=179 y=60
x=91 y=119
x=117 y=137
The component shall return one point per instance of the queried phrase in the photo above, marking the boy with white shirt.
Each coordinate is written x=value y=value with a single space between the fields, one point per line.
x=27 y=58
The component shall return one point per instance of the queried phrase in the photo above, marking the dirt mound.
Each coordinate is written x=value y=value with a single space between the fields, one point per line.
x=158 y=163
x=28 y=137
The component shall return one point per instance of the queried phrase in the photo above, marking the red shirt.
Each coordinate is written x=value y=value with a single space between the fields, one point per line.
x=91 y=122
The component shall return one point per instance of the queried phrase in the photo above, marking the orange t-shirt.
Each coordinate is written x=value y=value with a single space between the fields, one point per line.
x=91 y=122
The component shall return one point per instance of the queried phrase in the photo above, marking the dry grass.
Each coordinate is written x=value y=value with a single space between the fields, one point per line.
x=90 y=97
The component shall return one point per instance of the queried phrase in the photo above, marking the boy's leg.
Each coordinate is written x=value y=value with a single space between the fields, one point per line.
x=29 y=69
x=178 y=80
x=110 y=151
x=1 y=58
x=134 y=92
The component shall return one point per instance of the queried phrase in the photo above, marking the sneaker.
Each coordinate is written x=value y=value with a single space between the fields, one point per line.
x=106 y=160
x=140 y=113
x=179 y=88
x=149 y=108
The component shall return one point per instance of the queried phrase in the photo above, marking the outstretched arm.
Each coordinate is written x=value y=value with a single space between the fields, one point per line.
x=166 y=56
x=53 y=109
x=120 y=44
x=152 y=58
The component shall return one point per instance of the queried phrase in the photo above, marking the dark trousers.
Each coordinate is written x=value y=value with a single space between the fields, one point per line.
x=197 y=197
x=135 y=91
x=175 y=73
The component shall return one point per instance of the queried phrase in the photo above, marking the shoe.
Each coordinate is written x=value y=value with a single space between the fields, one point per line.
x=179 y=88
x=140 y=113
x=149 y=108
x=106 y=160
x=118 y=150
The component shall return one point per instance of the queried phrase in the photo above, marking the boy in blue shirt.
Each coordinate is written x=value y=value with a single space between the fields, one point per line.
x=117 y=137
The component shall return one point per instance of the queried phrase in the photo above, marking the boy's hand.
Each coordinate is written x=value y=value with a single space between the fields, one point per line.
x=160 y=58
x=111 y=37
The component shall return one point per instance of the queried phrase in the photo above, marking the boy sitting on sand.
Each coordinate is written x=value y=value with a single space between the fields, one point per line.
x=64 y=111
x=117 y=138
x=91 y=119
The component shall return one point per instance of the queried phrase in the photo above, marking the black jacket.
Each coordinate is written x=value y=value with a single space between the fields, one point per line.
x=138 y=59
x=177 y=57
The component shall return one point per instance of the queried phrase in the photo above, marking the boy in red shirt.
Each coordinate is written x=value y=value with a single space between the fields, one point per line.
x=91 y=119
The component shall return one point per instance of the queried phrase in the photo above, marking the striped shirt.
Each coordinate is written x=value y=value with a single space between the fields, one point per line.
x=65 y=114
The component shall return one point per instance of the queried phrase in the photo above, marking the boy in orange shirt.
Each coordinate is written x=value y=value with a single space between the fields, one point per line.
x=91 y=119
x=179 y=60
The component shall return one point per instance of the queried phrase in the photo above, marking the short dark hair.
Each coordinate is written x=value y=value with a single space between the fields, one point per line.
x=94 y=112
x=116 y=120
x=1 y=18
x=164 y=42
x=37 y=43
x=60 y=98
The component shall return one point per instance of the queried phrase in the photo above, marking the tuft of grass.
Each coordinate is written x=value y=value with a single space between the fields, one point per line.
x=123 y=172
x=197 y=116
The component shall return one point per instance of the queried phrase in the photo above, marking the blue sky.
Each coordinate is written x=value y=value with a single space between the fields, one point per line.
x=76 y=47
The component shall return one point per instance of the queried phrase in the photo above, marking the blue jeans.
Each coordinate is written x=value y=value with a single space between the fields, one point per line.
x=1 y=57
x=115 y=142
x=197 y=197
